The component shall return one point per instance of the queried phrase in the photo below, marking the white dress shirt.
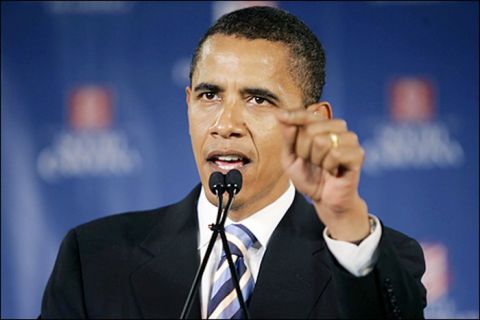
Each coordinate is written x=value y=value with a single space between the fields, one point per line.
x=358 y=260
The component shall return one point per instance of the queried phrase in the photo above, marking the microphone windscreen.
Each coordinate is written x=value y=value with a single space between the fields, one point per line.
x=234 y=180
x=217 y=182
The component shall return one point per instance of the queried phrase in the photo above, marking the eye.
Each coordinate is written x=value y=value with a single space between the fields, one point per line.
x=259 y=101
x=208 y=95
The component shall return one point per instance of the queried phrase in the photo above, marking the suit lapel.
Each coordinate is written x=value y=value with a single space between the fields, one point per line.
x=293 y=273
x=161 y=285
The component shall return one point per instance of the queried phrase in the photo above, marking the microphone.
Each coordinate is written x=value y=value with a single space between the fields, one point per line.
x=233 y=181
x=217 y=183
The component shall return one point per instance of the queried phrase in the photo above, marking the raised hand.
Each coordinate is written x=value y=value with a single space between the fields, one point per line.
x=324 y=160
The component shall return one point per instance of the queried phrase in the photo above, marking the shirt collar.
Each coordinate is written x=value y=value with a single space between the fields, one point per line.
x=262 y=223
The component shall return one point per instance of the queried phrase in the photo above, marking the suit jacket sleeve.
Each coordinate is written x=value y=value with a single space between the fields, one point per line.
x=393 y=289
x=63 y=296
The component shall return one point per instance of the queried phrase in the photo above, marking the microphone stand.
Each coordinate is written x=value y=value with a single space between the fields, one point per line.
x=201 y=269
x=219 y=228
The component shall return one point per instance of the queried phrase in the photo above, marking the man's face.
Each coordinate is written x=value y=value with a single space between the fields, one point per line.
x=237 y=87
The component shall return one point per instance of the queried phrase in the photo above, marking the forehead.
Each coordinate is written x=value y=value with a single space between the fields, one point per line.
x=257 y=61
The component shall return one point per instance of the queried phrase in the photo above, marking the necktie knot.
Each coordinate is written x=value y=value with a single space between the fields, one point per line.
x=240 y=239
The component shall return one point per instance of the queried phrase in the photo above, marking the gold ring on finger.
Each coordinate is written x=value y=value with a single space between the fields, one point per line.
x=334 y=139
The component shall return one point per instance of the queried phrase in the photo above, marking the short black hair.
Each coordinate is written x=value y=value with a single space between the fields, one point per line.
x=307 y=54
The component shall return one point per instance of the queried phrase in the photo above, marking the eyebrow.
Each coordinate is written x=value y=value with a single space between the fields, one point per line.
x=208 y=87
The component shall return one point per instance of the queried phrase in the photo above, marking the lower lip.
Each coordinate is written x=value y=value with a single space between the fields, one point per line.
x=224 y=167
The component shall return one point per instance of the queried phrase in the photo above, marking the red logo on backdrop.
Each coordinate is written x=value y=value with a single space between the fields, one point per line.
x=436 y=278
x=90 y=108
x=412 y=99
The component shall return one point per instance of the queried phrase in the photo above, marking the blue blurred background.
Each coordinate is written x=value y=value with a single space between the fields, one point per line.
x=94 y=123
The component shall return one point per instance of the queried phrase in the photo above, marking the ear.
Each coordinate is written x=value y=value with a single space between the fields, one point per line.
x=188 y=91
x=323 y=108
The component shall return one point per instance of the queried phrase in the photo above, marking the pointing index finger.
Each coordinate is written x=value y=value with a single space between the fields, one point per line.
x=297 y=117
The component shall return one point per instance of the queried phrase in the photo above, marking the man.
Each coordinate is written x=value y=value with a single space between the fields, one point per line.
x=253 y=105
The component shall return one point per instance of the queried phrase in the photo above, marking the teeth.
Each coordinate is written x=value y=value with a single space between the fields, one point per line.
x=229 y=158
x=228 y=166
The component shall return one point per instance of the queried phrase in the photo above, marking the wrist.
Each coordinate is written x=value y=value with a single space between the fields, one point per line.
x=373 y=225
x=352 y=226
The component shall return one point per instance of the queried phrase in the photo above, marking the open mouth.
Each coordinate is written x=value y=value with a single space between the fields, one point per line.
x=228 y=161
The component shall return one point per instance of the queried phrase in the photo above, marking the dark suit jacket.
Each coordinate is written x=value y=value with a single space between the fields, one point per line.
x=142 y=264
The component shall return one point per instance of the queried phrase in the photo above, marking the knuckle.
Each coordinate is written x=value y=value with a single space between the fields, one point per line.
x=342 y=124
x=335 y=154
x=319 y=142
x=354 y=137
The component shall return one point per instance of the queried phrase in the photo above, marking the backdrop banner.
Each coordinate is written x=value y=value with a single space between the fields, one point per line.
x=94 y=122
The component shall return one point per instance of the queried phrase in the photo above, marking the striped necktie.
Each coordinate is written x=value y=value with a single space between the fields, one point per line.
x=223 y=302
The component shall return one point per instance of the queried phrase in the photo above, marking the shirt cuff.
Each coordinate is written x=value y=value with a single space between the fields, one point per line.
x=357 y=259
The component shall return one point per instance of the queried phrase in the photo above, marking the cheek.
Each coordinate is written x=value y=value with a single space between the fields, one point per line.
x=263 y=123
x=268 y=140
x=199 y=118
x=198 y=128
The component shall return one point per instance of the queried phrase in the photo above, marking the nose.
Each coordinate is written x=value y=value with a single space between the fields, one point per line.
x=230 y=122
